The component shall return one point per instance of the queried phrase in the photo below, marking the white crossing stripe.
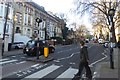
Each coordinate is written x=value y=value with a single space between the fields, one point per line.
x=35 y=65
x=3 y=59
x=43 y=72
x=8 y=61
x=69 y=73
x=21 y=62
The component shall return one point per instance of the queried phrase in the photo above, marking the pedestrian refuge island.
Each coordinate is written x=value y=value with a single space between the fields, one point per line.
x=43 y=58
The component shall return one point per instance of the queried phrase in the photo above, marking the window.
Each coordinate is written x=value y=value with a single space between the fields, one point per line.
x=28 y=32
x=29 y=19
x=17 y=30
x=27 y=9
x=6 y=11
x=1 y=10
x=19 y=18
x=7 y=28
x=25 y=19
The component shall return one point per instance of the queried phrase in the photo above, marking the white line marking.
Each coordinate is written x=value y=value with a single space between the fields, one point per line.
x=23 y=57
x=35 y=65
x=28 y=71
x=56 y=61
x=67 y=50
x=70 y=55
x=13 y=56
x=3 y=59
x=72 y=63
x=21 y=62
x=67 y=56
x=43 y=72
x=19 y=75
x=98 y=60
x=83 y=76
x=8 y=61
x=95 y=73
x=69 y=73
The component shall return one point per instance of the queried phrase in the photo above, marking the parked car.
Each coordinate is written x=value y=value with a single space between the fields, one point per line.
x=87 y=40
x=16 y=45
x=106 y=44
x=31 y=47
x=100 y=41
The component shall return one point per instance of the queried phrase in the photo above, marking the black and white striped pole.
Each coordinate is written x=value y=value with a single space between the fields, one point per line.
x=38 y=20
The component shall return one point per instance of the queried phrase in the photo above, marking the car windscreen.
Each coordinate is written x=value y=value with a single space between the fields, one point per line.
x=30 y=44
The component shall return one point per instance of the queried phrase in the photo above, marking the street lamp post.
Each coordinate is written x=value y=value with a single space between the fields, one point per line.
x=14 y=22
x=4 y=29
x=111 y=13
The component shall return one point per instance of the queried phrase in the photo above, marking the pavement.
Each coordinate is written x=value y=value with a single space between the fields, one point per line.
x=12 y=52
x=103 y=70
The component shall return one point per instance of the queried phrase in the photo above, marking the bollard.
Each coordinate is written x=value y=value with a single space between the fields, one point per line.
x=46 y=52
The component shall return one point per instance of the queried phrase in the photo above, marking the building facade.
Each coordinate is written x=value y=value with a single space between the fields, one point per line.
x=3 y=9
x=22 y=19
x=117 y=26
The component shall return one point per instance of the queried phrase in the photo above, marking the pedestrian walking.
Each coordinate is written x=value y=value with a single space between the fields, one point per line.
x=84 y=59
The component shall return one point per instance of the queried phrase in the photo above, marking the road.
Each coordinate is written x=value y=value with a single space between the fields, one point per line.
x=64 y=65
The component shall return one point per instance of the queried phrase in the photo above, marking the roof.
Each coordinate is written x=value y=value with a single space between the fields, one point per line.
x=41 y=8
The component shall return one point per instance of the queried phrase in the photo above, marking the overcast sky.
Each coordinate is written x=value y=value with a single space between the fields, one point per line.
x=63 y=6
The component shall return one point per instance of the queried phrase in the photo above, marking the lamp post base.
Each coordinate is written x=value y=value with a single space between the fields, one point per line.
x=111 y=59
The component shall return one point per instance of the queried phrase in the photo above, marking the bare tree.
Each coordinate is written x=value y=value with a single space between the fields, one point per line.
x=82 y=31
x=102 y=6
x=62 y=16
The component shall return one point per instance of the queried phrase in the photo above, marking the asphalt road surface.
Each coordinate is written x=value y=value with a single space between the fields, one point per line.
x=65 y=64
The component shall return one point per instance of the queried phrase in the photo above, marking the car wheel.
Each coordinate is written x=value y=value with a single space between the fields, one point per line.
x=16 y=47
x=34 y=54
x=23 y=52
x=28 y=54
x=52 y=50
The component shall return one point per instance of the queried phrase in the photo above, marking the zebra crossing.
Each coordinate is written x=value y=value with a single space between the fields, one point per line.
x=69 y=73
x=45 y=71
x=1 y=63
x=39 y=72
x=12 y=60
x=8 y=61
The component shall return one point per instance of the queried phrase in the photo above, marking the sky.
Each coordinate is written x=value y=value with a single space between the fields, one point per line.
x=64 y=6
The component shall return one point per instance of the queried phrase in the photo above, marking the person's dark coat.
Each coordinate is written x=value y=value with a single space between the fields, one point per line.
x=84 y=54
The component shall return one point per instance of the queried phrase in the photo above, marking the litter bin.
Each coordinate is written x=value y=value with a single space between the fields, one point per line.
x=46 y=52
